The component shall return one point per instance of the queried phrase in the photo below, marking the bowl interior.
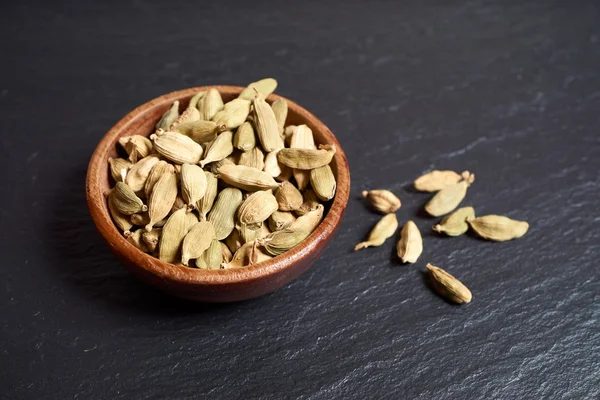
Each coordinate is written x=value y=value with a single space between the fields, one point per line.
x=141 y=121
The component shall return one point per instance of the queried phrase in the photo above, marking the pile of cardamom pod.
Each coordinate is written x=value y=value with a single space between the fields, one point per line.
x=221 y=185
x=450 y=189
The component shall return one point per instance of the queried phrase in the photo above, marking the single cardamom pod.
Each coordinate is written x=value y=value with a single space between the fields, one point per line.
x=138 y=173
x=276 y=169
x=306 y=158
x=190 y=114
x=302 y=138
x=169 y=116
x=384 y=229
x=383 y=200
x=205 y=204
x=143 y=219
x=136 y=239
x=280 y=220
x=219 y=148
x=246 y=178
x=437 y=180
x=193 y=103
x=200 y=131
x=136 y=146
x=264 y=86
x=212 y=257
x=323 y=182
x=233 y=114
x=210 y=104
x=254 y=158
x=120 y=220
x=310 y=202
x=162 y=198
x=226 y=254
x=175 y=229
x=266 y=125
x=498 y=227
x=448 y=198
x=197 y=240
x=448 y=286
x=283 y=240
x=177 y=148
x=151 y=238
x=455 y=224
x=410 y=245
x=193 y=184
x=288 y=133
x=234 y=241
x=280 y=109
x=257 y=208
x=288 y=197
x=158 y=170
x=118 y=168
x=222 y=215
x=244 y=138
x=125 y=200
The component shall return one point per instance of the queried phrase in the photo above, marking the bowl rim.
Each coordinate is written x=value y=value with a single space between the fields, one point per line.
x=186 y=275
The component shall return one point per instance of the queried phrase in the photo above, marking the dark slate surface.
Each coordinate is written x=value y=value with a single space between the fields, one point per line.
x=507 y=89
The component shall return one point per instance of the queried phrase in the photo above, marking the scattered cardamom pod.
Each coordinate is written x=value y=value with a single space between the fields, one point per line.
x=246 y=178
x=158 y=170
x=120 y=220
x=125 y=200
x=437 y=180
x=210 y=104
x=455 y=224
x=264 y=86
x=498 y=227
x=306 y=158
x=138 y=173
x=190 y=114
x=384 y=229
x=280 y=109
x=177 y=148
x=219 y=148
x=169 y=116
x=162 y=198
x=212 y=257
x=151 y=238
x=136 y=146
x=118 y=168
x=244 y=138
x=280 y=220
x=448 y=198
x=323 y=182
x=222 y=215
x=410 y=245
x=200 y=131
x=205 y=204
x=175 y=229
x=193 y=184
x=448 y=286
x=197 y=240
x=383 y=200
x=136 y=239
x=254 y=158
x=233 y=114
x=266 y=125
x=288 y=197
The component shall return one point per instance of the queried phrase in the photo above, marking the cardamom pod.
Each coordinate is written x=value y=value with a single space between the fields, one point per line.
x=264 y=86
x=437 y=180
x=193 y=103
x=288 y=197
x=226 y=254
x=205 y=204
x=212 y=257
x=162 y=198
x=384 y=229
x=280 y=220
x=244 y=138
x=283 y=240
x=210 y=104
x=143 y=219
x=302 y=138
x=197 y=240
x=222 y=215
x=119 y=219
x=276 y=169
x=246 y=178
x=448 y=286
x=190 y=114
x=169 y=117
x=410 y=245
x=136 y=239
x=233 y=114
x=498 y=227
x=254 y=158
x=310 y=202
x=323 y=182
x=306 y=158
x=151 y=238
x=448 y=198
x=138 y=173
x=455 y=224
x=249 y=233
x=177 y=148
x=241 y=257
x=136 y=146
x=200 y=131
x=234 y=241
x=280 y=109
x=288 y=133
x=383 y=200
x=266 y=125
x=118 y=168
x=219 y=148
x=158 y=170
x=125 y=200
x=193 y=184
x=257 y=208
x=214 y=166
x=175 y=229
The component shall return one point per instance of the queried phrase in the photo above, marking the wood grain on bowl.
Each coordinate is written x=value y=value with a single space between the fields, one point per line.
x=211 y=285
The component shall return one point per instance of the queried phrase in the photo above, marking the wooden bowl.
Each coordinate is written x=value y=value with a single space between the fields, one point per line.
x=211 y=285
